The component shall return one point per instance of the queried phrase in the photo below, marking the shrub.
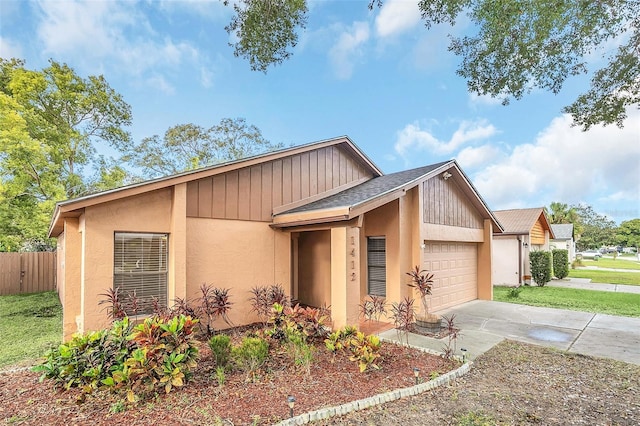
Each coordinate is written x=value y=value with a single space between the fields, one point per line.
x=403 y=315
x=264 y=297
x=364 y=349
x=251 y=354
x=220 y=349
x=560 y=263
x=306 y=321
x=88 y=358
x=422 y=281
x=373 y=308
x=540 y=266
x=212 y=304
x=163 y=358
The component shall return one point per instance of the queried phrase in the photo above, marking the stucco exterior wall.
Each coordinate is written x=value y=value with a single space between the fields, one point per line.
x=505 y=261
x=150 y=212
x=314 y=278
x=237 y=255
x=384 y=221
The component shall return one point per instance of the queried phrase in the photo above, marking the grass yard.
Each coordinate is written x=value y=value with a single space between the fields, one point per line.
x=614 y=264
x=624 y=304
x=610 y=277
x=29 y=325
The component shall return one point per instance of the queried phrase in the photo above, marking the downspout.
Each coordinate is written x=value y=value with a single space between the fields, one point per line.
x=519 y=261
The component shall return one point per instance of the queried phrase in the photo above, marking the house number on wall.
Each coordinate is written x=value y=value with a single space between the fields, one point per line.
x=352 y=252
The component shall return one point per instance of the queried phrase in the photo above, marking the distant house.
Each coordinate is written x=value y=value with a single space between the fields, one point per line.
x=525 y=230
x=563 y=238
x=320 y=219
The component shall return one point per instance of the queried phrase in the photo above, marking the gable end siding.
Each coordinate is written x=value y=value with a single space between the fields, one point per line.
x=537 y=234
x=253 y=193
x=445 y=204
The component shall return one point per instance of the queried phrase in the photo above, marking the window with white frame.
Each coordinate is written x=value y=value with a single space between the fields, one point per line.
x=140 y=268
x=376 y=266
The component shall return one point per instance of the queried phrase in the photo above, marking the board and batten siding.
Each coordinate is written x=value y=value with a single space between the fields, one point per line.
x=251 y=193
x=445 y=204
x=537 y=234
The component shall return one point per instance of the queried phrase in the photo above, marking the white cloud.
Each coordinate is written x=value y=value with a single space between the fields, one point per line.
x=414 y=138
x=568 y=165
x=160 y=83
x=473 y=157
x=9 y=48
x=348 y=49
x=396 y=17
x=114 y=34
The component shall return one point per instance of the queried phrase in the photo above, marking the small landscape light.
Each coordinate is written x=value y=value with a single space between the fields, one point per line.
x=464 y=354
x=291 y=400
x=416 y=374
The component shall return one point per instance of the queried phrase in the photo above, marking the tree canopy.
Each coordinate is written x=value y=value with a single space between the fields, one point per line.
x=50 y=124
x=598 y=230
x=265 y=30
x=518 y=46
x=189 y=146
x=628 y=233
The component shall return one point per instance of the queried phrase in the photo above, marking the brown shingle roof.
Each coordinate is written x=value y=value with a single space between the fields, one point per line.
x=519 y=221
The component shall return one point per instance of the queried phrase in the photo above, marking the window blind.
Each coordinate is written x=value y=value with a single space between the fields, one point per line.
x=140 y=267
x=376 y=266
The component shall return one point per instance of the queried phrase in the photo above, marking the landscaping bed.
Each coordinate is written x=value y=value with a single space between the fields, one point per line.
x=520 y=384
x=331 y=380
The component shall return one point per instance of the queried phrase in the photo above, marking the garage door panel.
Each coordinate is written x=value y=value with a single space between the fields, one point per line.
x=454 y=266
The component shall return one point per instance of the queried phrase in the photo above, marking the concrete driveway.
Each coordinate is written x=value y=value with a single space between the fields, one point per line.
x=485 y=323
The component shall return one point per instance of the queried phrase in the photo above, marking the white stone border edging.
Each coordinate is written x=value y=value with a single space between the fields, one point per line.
x=362 y=404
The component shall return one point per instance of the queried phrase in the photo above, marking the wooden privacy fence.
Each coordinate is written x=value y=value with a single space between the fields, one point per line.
x=30 y=272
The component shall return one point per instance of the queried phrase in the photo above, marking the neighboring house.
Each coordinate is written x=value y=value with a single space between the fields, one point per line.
x=320 y=219
x=525 y=230
x=563 y=238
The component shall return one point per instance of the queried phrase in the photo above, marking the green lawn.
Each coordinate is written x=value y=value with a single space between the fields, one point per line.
x=610 y=277
x=29 y=325
x=604 y=302
x=614 y=264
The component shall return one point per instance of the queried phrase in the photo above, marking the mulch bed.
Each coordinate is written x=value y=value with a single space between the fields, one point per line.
x=331 y=380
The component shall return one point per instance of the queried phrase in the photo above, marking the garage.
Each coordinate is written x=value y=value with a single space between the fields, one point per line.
x=455 y=269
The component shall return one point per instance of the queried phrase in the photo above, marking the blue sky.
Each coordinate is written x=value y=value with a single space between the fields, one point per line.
x=378 y=76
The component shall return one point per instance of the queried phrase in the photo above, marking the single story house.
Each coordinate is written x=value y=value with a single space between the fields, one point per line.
x=319 y=219
x=525 y=230
x=563 y=238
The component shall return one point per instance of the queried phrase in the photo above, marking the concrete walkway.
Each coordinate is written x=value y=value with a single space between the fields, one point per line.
x=483 y=324
x=587 y=284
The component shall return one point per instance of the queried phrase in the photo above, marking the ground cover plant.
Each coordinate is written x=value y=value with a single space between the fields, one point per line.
x=608 y=277
x=606 y=302
x=29 y=325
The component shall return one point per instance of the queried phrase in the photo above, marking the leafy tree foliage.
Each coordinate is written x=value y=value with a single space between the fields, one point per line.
x=266 y=30
x=188 y=146
x=524 y=45
x=520 y=46
x=561 y=213
x=628 y=233
x=598 y=230
x=50 y=124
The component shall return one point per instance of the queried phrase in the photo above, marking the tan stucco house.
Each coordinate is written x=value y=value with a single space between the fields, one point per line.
x=524 y=230
x=320 y=219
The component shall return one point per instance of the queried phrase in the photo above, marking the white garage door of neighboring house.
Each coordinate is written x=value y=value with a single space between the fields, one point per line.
x=455 y=269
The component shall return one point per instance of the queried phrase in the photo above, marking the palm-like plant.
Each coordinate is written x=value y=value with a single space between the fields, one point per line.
x=422 y=281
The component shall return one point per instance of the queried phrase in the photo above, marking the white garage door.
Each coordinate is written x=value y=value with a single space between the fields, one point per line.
x=455 y=269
